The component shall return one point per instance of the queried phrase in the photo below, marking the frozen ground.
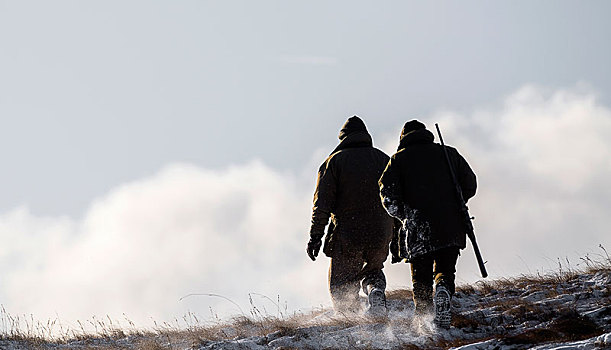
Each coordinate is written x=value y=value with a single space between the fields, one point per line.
x=563 y=311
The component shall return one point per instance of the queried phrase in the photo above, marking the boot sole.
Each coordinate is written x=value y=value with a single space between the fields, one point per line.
x=443 y=312
x=377 y=305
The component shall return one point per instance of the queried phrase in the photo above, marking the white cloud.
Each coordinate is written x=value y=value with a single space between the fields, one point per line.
x=148 y=243
x=543 y=161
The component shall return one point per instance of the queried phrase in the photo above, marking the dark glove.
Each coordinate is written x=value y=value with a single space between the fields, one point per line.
x=314 y=245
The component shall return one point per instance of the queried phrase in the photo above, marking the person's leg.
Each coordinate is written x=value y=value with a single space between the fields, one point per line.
x=444 y=272
x=344 y=280
x=373 y=280
x=372 y=275
x=445 y=268
x=422 y=281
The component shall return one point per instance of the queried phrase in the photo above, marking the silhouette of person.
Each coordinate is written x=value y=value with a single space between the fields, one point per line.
x=360 y=229
x=417 y=188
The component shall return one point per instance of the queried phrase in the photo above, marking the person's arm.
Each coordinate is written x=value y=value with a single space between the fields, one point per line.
x=465 y=177
x=390 y=195
x=390 y=190
x=324 y=204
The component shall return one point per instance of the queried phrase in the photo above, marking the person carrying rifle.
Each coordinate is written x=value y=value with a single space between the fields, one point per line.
x=417 y=188
x=360 y=229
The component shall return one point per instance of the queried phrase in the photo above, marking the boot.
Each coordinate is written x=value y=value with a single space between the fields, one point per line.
x=443 y=307
x=377 y=303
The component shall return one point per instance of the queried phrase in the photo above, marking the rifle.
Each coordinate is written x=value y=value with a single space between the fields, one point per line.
x=464 y=209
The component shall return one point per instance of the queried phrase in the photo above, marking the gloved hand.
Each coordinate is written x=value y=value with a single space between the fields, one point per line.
x=314 y=245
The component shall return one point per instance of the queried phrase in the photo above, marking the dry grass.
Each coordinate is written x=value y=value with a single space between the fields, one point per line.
x=510 y=285
x=502 y=296
x=461 y=321
x=399 y=294
x=567 y=326
x=566 y=272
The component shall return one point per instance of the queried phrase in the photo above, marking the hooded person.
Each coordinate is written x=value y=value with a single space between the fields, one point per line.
x=360 y=230
x=417 y=189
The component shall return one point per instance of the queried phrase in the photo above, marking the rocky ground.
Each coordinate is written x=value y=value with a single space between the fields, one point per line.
x=562 y=311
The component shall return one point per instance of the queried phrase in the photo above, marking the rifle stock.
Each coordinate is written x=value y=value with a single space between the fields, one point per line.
x=464 y=209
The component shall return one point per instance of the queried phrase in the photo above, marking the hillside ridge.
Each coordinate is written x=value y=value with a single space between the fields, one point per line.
x=564 y=310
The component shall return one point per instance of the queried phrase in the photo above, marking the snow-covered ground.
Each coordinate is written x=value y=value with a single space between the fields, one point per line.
x=566 y=311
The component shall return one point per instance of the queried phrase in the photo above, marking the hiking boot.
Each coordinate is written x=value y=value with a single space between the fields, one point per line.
x=377 y=303
x=443 y=307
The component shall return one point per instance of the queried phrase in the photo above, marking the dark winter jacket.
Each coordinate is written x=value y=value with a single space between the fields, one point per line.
x=417 y=188
x=347 y=192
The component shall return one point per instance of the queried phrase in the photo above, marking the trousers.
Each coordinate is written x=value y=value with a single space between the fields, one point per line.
x=438 y=266
x=354 y=268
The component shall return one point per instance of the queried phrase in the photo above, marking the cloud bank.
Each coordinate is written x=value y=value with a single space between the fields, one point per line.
x=146 y=244
x=542 y=159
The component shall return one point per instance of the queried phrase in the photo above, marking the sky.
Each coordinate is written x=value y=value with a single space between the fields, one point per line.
x=155 y=149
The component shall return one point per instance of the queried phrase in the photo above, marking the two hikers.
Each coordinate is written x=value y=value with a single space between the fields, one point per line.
x=416 y=189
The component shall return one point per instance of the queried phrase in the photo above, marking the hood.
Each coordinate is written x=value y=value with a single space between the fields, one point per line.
x=410 y=126
x=353 y=125
x=414 y=137
x=354 y=140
